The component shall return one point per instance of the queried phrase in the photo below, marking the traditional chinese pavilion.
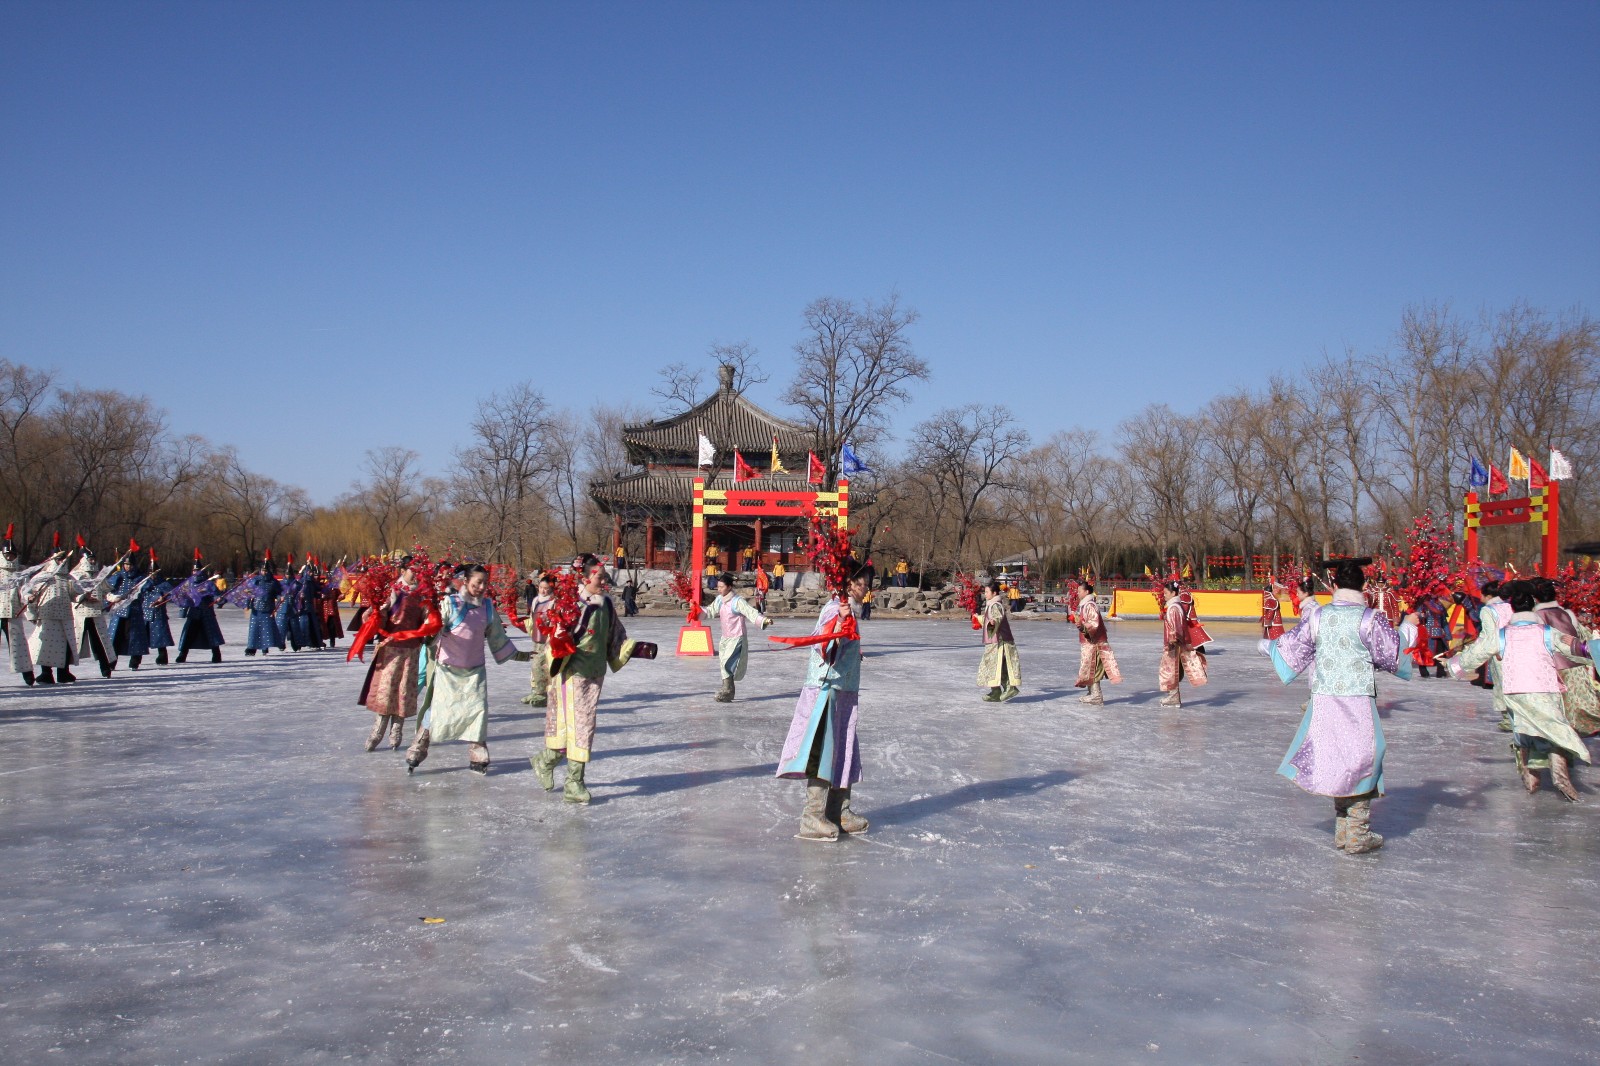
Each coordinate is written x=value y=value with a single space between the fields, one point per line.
x=653 y=507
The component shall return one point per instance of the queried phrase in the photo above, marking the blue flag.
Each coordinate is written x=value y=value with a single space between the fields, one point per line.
x=849 y=464
x=1479 y=477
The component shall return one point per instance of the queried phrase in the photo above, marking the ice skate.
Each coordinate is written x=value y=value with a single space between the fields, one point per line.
x=418 y=751
x=814 y=824
x=378 y=729
x=1359 y=837
x=1561 y=776
x=1530 y=776
x=544 y=768
x=725 y=693
x=1010 y=694
x=1171 y=699
x=993 y=695
x=397 y=728
x=839 y=811
x=27 y=678
x=574 y=791
x=1092 y=697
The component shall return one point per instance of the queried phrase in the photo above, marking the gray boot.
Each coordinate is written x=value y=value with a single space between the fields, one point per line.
x=397 y=728
x=379 y=727
x=1359 y=836
x=574 y=792
x=839 y=811
x=478 y=758
x=993 y=695
x=814 y=824
x=1341 y=821
x=725 y=693
x=544 y=768
x=1171 y=699
x=418 y=750
x=1092 y=696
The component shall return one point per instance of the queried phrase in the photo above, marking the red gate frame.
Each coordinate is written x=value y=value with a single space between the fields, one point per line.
x=1541 y=505
x=695 y=636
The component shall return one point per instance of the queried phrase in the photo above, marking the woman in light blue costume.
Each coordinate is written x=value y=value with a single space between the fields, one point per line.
x=456 y=696
x=821 y=746
x=1338 y=750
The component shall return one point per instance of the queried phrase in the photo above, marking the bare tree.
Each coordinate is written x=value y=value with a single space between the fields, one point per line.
x=393 y=495
x=852 y=370
x=966 y=451
x=254 y=508
x=499 y=478
x=1161 y=451
x=28 y=451
x=683 y=386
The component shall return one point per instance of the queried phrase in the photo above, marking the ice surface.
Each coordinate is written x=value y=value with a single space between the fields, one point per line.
x=200 y=864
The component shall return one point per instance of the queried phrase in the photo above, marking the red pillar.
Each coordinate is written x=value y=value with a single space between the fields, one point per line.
x=650 y=542
x=1551 y=556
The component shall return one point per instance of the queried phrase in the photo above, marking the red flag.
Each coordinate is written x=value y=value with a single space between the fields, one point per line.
x=197 y=555
x=133 y=545
x=742 y=471
x=1497 y=481
x=1537 y=478
x=268 y=557
x=816 y=473
x=152 y=552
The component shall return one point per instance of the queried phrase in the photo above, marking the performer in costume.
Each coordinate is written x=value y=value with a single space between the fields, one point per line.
x=821 y=747
x=305 y=605
x=1580 y=695
x=457 y=695
x=390 y=691
x=48 y=600
x=1183 y=645
x=11 y=610
x=1338 y=750
x=539 y=605
x=1494 y=614
x=89 y=610
x=579 y=658
x=1433 y=635
x=733 y=650
x=197 y=598
x=1001 y=668
x=264 y=591
x=130 y=631
x=288 y=637
x=155 y=613
x=1525 y=648
x=1271 y=611
x=332 y=623
x=1095 y=660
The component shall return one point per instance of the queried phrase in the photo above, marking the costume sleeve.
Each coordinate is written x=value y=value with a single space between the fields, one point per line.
x=1293 y=652
x=494 y=631
x=750 y=613
x=1484 y=647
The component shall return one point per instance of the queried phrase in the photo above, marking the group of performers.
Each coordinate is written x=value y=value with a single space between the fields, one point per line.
x=65 y=611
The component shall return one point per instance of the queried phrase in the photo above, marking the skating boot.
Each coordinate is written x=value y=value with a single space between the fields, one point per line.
x=574 y=791
x=544 y=768
x=1010 y=694
x=379 y=727
x=105 y=669
x=725 y=693
x=1341 y=821
x=161 y=657
x=839 y=811
x=1092 y=696
x=46 y=676
x=418 y=751
x=993 y=695
x=183 y=655
x=216 y=655
x=1359 y=836
x=814 y=824
x=134 y=661
x=65 y=676
x=1530 y=776
x=249 y=653
x=1171 y=699
x=1561 y=776
x=477 y=757
x=397 y=728
x=27 y=678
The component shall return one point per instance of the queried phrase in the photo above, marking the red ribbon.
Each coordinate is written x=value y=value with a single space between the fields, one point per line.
x=839 y=627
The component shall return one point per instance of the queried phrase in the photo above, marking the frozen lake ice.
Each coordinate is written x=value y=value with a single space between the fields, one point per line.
x=202 y=865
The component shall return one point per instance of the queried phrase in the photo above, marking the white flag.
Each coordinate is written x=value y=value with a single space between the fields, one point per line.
x=708 y=454
x=1559 y=467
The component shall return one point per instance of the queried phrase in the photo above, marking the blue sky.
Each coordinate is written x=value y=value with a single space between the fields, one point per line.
x=308 y=229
